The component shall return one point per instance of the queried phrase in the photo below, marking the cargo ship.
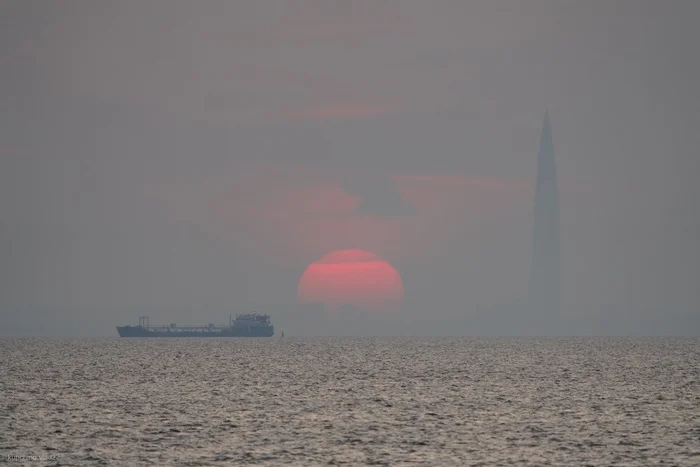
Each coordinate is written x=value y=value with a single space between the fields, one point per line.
x=244 y=325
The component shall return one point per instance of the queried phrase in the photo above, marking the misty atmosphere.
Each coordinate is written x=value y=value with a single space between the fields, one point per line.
x=188 y=160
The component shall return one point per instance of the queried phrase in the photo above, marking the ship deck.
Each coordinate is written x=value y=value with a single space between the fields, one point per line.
x=165 y=328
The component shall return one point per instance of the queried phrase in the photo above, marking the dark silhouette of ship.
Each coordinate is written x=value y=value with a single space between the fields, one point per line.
x=244 y=325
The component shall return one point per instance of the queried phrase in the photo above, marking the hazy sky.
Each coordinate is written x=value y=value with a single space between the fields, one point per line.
x=185 y=159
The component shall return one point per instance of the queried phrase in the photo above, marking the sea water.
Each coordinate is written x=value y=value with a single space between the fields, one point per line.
x=325 y=401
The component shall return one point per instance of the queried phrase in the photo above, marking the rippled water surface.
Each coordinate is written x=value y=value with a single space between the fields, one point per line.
x=351 y=401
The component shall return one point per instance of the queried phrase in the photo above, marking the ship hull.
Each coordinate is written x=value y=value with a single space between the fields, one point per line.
x=138 y=331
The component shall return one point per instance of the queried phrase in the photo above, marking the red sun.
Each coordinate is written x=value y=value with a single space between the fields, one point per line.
x=352 y=277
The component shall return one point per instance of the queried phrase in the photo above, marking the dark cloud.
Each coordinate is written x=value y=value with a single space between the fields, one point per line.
x=379 y=195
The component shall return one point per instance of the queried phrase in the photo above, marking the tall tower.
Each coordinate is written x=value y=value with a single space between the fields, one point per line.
x=544 y=275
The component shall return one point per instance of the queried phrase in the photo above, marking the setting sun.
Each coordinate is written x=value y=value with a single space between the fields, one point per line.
x=352 y=277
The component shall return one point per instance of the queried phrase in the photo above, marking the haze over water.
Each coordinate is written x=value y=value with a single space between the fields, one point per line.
x=304 y=401
x=190 y=159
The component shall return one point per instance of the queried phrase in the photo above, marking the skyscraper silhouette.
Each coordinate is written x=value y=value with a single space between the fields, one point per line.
x=545 y=270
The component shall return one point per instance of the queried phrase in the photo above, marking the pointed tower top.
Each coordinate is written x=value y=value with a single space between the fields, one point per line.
x=546 y=147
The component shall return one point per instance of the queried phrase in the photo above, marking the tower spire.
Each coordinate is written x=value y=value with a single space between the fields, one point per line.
x=545 y=271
